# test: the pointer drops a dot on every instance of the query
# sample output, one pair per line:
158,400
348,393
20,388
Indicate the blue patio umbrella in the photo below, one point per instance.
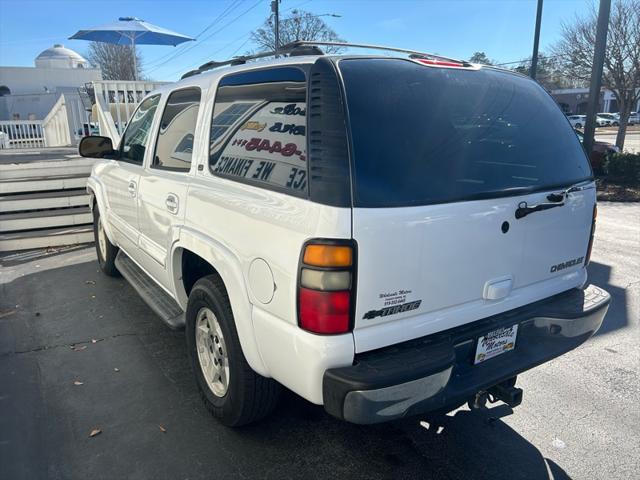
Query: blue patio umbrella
131,31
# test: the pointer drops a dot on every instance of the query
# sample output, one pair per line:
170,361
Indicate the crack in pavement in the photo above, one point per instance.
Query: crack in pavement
71,345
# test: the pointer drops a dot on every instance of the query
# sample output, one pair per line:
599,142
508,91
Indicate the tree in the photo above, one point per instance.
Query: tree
115,61
547,73
481,57
621,73
300,25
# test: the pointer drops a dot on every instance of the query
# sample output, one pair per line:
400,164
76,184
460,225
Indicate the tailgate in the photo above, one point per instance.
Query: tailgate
426,269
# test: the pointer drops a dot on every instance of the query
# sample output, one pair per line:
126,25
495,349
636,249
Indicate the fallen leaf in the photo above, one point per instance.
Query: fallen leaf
78,382
93,296
116,369
79,349
94,432
6,314
90,282
93,340
162,429
37,314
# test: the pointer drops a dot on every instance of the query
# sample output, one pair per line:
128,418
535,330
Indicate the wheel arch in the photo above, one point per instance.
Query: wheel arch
98,198
220,261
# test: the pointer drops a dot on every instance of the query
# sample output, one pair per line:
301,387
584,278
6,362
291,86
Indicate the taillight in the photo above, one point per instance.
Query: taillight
593,231
326,286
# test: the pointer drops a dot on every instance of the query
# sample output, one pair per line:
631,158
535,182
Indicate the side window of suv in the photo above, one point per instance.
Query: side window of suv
134,139
258,129
174,146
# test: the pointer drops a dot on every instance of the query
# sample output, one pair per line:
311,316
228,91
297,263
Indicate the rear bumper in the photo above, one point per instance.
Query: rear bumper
437,372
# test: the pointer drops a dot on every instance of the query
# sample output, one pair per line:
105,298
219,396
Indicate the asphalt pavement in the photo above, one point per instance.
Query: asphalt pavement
80,351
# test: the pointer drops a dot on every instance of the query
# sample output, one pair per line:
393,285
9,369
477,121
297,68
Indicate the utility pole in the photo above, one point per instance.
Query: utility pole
536,42
275,9
596,74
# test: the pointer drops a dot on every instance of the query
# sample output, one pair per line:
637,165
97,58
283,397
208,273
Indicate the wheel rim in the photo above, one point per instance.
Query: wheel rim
102,240
212,352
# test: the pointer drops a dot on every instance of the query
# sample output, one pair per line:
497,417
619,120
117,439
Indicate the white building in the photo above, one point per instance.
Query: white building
29,93
574,101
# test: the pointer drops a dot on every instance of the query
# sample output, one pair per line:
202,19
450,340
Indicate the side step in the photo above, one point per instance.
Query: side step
158,300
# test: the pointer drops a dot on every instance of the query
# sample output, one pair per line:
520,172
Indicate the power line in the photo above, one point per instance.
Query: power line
186,46
211,54
210,35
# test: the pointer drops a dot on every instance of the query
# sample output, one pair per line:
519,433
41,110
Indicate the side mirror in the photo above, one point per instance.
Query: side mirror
95,147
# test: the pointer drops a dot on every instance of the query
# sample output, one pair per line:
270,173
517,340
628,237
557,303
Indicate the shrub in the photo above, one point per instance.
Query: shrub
625,167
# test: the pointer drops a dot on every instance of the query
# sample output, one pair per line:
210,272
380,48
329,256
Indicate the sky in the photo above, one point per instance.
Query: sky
503,29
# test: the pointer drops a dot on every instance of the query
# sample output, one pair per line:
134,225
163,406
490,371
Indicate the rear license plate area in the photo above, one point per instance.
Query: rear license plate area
496,342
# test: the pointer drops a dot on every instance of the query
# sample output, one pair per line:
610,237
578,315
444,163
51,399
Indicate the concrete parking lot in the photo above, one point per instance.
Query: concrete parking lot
80,351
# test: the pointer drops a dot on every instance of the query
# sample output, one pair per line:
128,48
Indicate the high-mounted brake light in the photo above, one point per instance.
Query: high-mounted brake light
326,286
587,257
438,63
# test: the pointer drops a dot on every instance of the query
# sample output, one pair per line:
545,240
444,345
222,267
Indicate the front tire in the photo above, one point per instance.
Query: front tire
230,389
105,250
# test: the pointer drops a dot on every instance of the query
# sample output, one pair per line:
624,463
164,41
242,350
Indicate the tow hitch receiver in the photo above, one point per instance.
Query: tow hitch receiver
506,392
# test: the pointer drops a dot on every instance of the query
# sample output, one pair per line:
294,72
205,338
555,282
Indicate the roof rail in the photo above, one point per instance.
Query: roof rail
412,53
293,49
304,47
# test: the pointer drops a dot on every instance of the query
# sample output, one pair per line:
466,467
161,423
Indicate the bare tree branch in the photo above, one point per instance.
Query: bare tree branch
300,25
115,61
621,73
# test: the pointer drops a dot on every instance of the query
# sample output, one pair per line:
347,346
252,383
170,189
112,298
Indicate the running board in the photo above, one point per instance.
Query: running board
158,300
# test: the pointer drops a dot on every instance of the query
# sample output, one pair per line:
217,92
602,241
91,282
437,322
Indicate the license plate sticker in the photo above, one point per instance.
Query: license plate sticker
496,342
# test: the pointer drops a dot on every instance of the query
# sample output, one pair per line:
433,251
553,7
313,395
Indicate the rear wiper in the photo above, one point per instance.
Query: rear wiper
560,196
523,209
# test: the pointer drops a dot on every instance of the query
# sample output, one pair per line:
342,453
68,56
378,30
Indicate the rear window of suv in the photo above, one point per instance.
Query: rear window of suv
423,135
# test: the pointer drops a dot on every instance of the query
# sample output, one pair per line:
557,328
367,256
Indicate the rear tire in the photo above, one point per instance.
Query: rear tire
105,250
230,389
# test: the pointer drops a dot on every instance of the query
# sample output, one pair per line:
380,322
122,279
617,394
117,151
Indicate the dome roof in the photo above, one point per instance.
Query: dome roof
58,51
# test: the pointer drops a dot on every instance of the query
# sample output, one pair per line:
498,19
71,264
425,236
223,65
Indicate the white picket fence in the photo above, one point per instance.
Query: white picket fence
55,126
22,134
70,119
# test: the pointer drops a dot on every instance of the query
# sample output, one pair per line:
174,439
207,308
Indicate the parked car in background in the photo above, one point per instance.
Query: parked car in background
296,250
599,154
612,118
603,121
634,118
577,121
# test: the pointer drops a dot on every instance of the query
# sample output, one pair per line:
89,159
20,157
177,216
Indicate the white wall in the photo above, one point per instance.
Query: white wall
25,80
37,105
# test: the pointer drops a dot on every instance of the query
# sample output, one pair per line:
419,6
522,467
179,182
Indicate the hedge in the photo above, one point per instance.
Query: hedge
625,167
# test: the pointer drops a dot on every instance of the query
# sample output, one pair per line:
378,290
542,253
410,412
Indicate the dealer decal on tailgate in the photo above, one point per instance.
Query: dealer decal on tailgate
384,312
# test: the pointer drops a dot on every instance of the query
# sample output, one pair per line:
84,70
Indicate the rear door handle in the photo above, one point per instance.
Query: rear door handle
132,188
172,203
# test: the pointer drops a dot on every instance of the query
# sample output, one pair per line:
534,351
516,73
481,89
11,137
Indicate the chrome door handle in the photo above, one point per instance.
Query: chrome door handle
132,188
172,203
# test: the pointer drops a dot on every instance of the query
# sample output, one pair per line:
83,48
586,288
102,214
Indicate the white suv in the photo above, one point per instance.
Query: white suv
383,236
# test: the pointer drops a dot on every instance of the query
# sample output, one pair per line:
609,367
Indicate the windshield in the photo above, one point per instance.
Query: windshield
423,135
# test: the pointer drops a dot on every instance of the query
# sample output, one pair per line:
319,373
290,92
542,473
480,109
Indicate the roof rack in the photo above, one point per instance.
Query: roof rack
304,47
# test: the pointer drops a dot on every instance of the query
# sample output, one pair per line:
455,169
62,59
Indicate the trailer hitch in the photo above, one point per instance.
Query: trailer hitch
507,393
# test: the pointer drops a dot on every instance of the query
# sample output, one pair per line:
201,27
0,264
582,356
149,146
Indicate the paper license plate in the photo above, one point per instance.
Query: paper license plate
496,342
